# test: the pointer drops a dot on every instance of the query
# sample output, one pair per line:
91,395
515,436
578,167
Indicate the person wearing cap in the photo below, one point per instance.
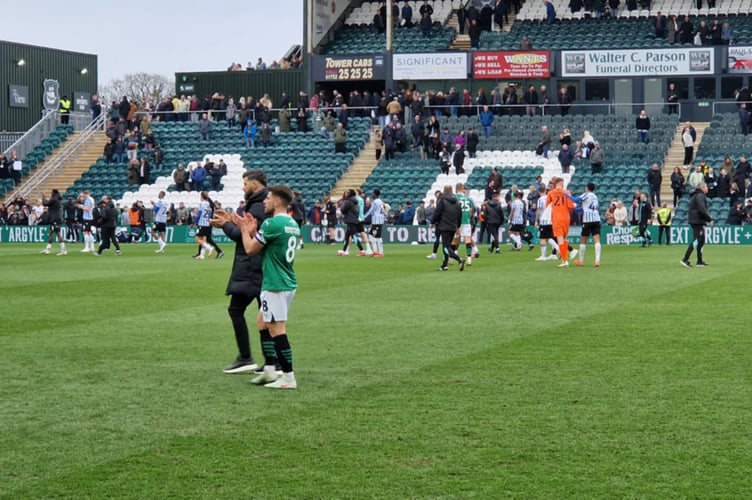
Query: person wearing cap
699,217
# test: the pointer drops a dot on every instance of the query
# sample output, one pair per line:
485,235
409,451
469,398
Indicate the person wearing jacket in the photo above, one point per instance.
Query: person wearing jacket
698,216
494,216
107,222
54,206
350,218
244,285
645,217
447,219
664,223
198,176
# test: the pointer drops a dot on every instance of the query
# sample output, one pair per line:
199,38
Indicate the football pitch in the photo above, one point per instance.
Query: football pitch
513,379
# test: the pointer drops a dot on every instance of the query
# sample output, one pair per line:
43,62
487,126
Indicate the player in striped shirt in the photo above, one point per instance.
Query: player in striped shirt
378,217
159,230
591,223
545,229
203,235
517,220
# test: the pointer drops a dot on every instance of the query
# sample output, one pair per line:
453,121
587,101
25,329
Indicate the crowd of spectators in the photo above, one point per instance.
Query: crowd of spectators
291,62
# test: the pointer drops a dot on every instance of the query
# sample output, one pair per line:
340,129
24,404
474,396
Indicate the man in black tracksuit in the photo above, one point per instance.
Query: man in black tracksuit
245,278
698,216
107,223
447,218
494,216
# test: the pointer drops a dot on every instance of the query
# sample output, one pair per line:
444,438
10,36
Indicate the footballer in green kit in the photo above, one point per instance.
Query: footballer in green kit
276,240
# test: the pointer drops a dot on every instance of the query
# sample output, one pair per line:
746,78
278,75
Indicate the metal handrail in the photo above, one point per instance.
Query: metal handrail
62,158
34,136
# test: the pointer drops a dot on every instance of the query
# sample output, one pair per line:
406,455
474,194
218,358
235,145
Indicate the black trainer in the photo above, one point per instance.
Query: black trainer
241,365
220,255
701,264
685,263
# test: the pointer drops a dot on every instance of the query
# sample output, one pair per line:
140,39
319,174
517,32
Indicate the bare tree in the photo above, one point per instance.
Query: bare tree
138,86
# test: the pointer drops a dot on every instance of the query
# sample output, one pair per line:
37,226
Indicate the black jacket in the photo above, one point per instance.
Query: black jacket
350,211
246,276
646,212
54,208
108,217
698,209
448,214
494,213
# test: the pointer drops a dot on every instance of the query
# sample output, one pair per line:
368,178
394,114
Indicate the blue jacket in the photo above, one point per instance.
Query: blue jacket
486,118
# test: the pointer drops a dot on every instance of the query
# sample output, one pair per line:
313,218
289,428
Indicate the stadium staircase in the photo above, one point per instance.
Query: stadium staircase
359,170
675,157
60,168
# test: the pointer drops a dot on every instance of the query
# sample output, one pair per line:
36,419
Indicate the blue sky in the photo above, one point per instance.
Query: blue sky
162,36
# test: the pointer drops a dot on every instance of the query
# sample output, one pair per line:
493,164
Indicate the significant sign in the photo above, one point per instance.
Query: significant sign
348,68
739,59
435,66
656,62
511,65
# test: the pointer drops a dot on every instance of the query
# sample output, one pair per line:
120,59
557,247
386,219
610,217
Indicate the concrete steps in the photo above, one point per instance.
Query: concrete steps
72,170
675,158
359,170
462,42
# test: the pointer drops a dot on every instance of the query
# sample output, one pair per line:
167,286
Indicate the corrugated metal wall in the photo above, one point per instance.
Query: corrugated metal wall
40,64
242,83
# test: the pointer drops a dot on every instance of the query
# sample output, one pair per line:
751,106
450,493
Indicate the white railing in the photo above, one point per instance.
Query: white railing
68,152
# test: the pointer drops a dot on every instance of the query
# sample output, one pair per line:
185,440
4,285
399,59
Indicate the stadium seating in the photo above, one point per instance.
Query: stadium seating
304,161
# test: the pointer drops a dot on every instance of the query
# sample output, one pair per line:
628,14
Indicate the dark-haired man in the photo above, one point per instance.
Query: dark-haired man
698,216
246,276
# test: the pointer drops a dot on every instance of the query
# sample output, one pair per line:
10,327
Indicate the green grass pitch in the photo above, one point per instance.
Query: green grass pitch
514,379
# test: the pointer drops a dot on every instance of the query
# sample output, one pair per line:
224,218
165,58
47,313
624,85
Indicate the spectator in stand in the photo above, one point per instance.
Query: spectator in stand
144,171
545,142
655,179
531,100
686,29
302,120
266,134
550,12
198,175
460,139
109,153
486,121
744,118
620,214
340,139
677,184
565,101
407,16
408,214
249,133
659,23
673,29
474,33
723,183
565,158
204,127
696,178
119,150
712,182
472,142
597,158
741,173
689,147
673,99
642,124
260,65
727,33
180,177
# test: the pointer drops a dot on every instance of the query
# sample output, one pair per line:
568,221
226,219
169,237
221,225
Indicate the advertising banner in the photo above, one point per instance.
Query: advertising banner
433,66
655,62
739,59
348,68
518,65
610,235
